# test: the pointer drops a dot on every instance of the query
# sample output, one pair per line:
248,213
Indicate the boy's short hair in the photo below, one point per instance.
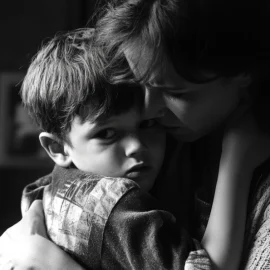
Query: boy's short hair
223,37
66,78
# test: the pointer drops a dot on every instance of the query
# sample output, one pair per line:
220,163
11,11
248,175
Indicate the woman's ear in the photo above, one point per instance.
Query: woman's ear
55,149
244,80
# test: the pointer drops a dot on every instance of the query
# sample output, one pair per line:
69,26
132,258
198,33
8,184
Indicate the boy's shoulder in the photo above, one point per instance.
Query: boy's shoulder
77,188
77,206
82,189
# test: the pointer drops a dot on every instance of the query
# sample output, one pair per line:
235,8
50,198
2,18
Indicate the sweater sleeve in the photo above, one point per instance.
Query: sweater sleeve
139,236
256,251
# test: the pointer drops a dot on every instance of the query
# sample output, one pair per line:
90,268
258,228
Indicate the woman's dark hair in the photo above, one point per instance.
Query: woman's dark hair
220,37
223,37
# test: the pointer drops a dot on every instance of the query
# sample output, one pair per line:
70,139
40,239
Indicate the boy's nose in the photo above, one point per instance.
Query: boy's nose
153,103
134,145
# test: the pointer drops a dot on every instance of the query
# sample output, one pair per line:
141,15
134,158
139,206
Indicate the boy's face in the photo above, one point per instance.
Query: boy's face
122,146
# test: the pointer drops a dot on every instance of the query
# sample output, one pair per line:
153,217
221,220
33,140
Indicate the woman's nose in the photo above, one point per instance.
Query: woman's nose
153,103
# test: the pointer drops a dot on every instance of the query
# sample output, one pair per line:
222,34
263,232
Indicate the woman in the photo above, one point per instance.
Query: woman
198,63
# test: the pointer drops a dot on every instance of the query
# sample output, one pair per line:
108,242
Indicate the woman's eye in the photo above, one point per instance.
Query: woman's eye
148,123
174,94
106,134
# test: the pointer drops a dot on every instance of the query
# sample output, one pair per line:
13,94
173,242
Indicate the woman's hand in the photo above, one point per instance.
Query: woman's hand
244,143
24,246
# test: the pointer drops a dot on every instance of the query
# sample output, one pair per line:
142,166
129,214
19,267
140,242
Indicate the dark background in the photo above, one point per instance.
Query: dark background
24,24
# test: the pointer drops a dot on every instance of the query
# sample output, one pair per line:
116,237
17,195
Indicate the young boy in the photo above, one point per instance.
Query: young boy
96,200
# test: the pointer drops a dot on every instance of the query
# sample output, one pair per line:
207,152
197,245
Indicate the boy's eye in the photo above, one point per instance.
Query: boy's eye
148,123
106,134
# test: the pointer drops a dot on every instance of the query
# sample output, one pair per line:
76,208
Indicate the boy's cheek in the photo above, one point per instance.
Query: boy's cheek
155,140
158,144
160,137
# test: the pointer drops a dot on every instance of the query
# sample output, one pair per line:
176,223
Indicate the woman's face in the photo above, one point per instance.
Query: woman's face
190,110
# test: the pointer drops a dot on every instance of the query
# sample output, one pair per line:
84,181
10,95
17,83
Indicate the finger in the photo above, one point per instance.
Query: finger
34,221
8,265
36,209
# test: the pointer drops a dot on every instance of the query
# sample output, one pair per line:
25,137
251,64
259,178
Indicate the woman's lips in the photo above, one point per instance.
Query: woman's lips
176,130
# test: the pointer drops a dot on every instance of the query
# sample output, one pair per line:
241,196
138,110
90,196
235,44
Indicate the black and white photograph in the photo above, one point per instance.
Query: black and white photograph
135,134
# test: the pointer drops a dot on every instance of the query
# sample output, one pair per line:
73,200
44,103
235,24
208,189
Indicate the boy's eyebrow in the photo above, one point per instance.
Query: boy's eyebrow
97,124
102,121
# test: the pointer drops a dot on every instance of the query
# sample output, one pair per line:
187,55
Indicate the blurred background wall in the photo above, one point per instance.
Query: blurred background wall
24,24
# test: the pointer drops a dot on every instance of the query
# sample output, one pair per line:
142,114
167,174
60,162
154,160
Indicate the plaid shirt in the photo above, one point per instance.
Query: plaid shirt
109,223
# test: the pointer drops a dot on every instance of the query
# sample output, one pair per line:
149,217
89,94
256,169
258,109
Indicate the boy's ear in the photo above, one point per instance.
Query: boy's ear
54,149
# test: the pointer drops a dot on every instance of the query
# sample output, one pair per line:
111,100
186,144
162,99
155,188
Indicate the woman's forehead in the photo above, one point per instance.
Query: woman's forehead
144,58
162,70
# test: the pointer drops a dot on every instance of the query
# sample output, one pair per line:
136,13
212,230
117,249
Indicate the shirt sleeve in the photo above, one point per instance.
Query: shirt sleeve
139,236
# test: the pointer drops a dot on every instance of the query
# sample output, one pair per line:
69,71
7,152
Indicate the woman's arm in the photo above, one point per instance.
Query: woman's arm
24,246
223,238
244,148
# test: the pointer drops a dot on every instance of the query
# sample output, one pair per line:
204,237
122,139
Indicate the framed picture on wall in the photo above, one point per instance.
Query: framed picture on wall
19,143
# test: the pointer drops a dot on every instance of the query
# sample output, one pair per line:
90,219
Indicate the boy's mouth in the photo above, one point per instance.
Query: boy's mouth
138,171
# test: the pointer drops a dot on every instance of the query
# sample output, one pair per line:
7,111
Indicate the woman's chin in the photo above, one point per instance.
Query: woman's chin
187,136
